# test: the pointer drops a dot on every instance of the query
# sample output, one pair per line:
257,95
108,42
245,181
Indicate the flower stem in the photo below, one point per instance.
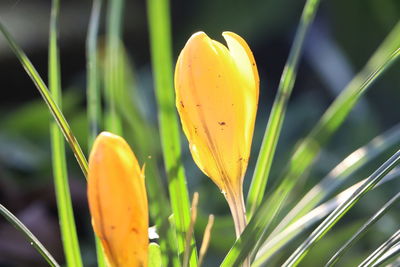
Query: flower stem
238,210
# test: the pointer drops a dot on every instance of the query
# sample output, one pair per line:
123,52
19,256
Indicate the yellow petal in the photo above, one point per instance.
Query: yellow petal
118,202
216,97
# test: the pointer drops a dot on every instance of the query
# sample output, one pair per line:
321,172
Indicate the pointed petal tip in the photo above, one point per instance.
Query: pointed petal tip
200,35
106,134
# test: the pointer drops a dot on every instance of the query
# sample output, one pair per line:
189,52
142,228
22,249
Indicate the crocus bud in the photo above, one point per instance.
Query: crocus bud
118,201
217,91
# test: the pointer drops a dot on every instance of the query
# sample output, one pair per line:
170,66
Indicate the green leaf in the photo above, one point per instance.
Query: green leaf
363,229
301,225
93,78
341,210
93,94
161,54
343,171
388,257
113,79
28,234
63,195
258,228
154,255
54,109
275,121
127,101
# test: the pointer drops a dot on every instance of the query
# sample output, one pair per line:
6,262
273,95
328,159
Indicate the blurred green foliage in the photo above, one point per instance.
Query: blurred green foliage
354,27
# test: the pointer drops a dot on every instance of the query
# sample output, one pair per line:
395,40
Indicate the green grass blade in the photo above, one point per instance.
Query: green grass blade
55,111
301,225
154,255
341,210
258,228
63,195
381,250
127,105
93,93
308,149
93,78
274,127
342,172
391,253
161,52
28,234
363,229
113,79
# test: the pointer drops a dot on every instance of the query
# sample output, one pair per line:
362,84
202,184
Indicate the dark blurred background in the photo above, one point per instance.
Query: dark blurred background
342,39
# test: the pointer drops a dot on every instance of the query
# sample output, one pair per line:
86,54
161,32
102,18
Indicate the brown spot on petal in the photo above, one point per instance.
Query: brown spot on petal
221,123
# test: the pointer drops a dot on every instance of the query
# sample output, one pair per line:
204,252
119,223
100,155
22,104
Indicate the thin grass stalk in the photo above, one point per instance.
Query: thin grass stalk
258,228
340,211
206,239
371,221
161,53
279,241
275,121
342,172
63,195
29,236
381,250
94,94
113,79
145,143
391,253
307,150
54,109
93,79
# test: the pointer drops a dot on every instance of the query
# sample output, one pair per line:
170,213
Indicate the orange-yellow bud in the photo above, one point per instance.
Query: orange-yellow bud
217,91
118,202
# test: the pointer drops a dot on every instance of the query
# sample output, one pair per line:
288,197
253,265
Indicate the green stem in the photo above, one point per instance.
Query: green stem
93,94
113,79
274,127
63,195
93,81
28,234
161,52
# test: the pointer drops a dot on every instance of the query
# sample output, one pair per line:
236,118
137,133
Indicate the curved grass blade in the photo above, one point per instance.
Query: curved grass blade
342,172
258,228
161,54
28,234
363,229
93,93
280,240
63,195
275,121
341,210
381,250
113,79
54,109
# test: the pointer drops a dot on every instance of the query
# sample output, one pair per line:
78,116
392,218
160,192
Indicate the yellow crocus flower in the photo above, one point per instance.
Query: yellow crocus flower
118,202
217,91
